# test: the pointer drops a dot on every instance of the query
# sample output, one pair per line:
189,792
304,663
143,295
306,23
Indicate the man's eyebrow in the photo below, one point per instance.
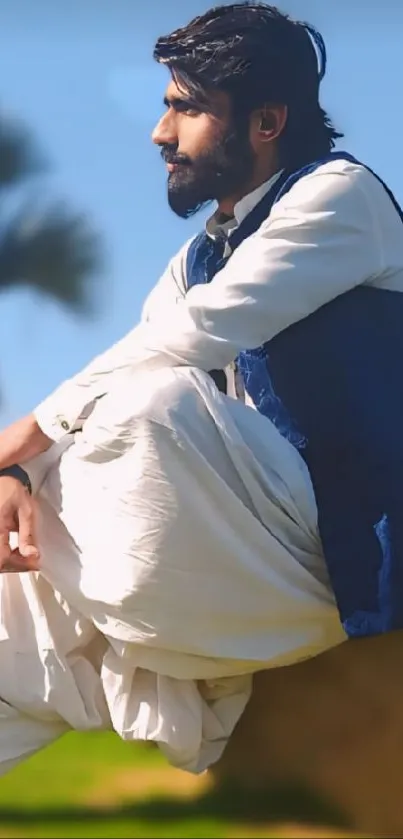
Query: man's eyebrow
180,102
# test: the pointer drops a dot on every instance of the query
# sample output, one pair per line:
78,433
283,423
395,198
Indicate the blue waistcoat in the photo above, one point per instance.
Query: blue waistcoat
333,386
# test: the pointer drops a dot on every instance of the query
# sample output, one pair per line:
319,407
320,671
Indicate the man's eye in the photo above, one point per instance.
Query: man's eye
191,112
189,108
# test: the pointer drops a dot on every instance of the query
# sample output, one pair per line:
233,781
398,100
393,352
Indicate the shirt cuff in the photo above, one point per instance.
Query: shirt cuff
55,422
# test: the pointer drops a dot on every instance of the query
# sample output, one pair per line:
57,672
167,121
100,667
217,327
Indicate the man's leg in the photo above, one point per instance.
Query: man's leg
50,659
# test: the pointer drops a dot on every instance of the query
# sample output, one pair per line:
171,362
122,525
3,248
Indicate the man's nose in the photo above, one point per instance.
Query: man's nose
164,133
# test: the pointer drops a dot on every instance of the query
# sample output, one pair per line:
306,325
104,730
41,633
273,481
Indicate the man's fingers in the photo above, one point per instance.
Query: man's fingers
27,542
18,564
5,550
12,560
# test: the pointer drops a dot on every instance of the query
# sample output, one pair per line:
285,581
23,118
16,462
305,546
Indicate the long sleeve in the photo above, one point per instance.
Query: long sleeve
322,238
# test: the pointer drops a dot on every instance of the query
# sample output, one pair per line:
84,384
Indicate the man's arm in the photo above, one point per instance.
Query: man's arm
22,441
322,239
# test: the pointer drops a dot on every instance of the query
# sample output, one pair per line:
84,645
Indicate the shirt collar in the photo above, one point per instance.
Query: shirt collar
215,227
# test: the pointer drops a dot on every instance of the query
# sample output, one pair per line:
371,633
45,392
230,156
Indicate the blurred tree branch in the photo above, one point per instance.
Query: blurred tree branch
43,245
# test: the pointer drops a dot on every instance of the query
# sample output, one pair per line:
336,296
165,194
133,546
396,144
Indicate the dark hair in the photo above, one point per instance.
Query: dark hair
257,55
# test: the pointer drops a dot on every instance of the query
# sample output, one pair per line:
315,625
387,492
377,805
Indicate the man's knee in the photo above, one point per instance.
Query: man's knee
174,397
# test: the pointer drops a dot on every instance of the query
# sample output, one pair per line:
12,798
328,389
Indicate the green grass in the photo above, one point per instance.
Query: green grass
93,785
48,795
67,770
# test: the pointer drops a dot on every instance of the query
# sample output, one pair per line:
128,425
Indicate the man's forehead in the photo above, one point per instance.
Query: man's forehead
173,91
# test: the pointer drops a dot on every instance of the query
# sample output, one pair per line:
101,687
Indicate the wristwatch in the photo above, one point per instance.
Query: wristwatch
18,472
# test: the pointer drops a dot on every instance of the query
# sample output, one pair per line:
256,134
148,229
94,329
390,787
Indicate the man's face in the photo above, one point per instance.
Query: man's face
208,157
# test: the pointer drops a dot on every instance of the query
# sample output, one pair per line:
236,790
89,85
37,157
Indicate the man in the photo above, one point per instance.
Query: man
177,525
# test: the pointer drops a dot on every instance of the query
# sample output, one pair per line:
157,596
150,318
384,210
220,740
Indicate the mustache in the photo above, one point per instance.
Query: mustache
170,155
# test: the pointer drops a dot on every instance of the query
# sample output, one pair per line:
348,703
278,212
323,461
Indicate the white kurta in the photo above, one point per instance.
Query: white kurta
180,554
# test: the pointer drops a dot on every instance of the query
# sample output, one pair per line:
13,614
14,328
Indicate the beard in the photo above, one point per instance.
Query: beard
218,172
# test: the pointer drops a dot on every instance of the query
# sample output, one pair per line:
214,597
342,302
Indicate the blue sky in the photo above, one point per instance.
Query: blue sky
81,74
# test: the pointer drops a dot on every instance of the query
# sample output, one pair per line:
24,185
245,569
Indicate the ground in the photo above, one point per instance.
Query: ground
93,785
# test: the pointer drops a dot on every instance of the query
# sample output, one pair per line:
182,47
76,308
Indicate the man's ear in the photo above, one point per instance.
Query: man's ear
268,123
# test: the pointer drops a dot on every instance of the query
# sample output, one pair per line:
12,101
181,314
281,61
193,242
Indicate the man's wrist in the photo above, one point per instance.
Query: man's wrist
19,473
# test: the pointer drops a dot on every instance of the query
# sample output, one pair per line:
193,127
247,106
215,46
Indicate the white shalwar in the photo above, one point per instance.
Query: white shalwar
180,554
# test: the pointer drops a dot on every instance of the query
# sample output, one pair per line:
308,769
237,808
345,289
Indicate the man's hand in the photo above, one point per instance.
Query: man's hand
17,514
